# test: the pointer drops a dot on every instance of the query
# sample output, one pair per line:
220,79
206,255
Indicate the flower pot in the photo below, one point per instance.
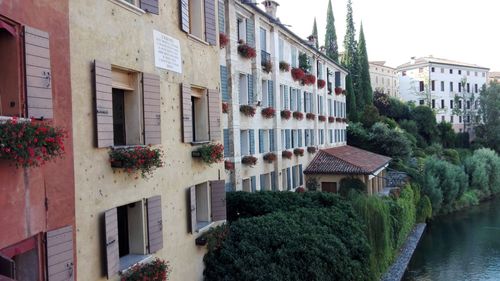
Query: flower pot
196,154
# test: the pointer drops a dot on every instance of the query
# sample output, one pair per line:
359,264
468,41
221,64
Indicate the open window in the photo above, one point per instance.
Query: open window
199,111
197,17
207,204
132,232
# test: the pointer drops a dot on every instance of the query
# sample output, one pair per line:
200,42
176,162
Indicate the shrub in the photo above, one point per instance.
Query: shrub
392,143
212,153
483,171
139,158
287,154
157,270
284,66
249,160
370,116
286,114
306,244
246,50
349,184
298,115
424,209
247,110
268,112
30,144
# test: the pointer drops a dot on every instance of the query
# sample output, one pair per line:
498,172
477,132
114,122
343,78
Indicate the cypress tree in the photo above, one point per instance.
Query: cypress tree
352,113
364,70
315,33
332,48
350,61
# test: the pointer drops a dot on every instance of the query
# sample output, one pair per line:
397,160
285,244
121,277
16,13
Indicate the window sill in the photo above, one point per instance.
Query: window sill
198,143
127,6
129,261
197,39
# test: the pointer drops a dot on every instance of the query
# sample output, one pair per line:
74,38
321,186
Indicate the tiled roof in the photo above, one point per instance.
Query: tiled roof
346,160
425,60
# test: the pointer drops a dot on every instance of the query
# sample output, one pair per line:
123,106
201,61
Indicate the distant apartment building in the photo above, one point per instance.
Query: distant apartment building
145,74
384,78
494,76
436,82
259,83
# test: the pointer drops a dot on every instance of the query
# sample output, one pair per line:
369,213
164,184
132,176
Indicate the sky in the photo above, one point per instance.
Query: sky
396,30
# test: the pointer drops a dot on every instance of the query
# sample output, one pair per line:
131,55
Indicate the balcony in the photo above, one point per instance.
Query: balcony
265,58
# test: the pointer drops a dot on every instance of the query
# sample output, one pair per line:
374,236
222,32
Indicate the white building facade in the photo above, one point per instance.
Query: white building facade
384,78
245,83
436,82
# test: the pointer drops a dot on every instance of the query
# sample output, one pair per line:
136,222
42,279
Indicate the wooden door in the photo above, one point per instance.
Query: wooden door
329,187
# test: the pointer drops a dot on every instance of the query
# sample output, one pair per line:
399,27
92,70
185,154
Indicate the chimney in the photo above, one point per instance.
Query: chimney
312,40
271,7
412,60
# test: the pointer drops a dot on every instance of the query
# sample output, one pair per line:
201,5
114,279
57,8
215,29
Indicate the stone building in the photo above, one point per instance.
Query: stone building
270,151
384,78
145,73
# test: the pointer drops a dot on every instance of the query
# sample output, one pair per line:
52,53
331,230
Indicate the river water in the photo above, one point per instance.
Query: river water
460,246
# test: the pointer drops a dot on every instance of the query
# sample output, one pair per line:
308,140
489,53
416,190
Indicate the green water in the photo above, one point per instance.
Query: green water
461,246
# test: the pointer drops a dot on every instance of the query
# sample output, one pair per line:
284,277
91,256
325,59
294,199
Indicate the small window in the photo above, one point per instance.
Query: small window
433,103
241,29
442,86
459,119
243,88
451,119
203,210
442,103
197,18
432,69
475,73
433,85
451,71
421,86
199,103
460,104
468,104
468,87
451,86
330,187
442,119
459,72
421,102
451,104
475,88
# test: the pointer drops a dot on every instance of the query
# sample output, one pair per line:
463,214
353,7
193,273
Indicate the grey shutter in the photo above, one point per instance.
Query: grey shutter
111,236
152,111
210,24
262,182
250,32
155,224
299,101
294,176
192,208
227,151
253,181
222,17
301,175
273,181
288,135
38,73
271,140
214,111
300,137
60,265
150,6
285,92
251,134
293,104
103,104
218,195
187,114
288,179
337,78
250,89
184,15
270,93
7,268
261,141
223,83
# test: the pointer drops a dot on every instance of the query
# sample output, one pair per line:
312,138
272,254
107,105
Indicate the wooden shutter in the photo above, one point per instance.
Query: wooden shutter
192,208
250,26
152,111
155,224
272,146
253,181
250,89
222,16
150,6
251,134
184,15
103,104
38,73
214,111
111,240
7,268
218,194
273,181
60,265
223,83
210,24
261,141
187,114
270,93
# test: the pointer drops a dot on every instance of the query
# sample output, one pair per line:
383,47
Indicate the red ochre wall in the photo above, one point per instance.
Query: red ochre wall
23,191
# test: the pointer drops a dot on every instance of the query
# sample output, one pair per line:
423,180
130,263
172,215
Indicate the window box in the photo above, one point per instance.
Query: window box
210,153
247,110
30,144
270,157
287,154
246,50
300,189
339,119
309,79
267,66
310,116
298,152
249,160
228,165
345,120
284,66
311,149
338,91
286,114
331,119
298,115
157,270
297,74
322,118
223,40
139,158
268,112
321,83
225,107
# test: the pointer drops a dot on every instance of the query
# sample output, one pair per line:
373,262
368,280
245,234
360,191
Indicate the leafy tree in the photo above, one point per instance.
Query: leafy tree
358,136
364,70
392,143
370,116
315,33
447,135
348,184
483,170
331,46
391,107
426,122
489,131
424,209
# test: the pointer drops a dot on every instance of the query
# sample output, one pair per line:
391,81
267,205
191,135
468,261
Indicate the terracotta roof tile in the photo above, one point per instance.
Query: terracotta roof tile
346,160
